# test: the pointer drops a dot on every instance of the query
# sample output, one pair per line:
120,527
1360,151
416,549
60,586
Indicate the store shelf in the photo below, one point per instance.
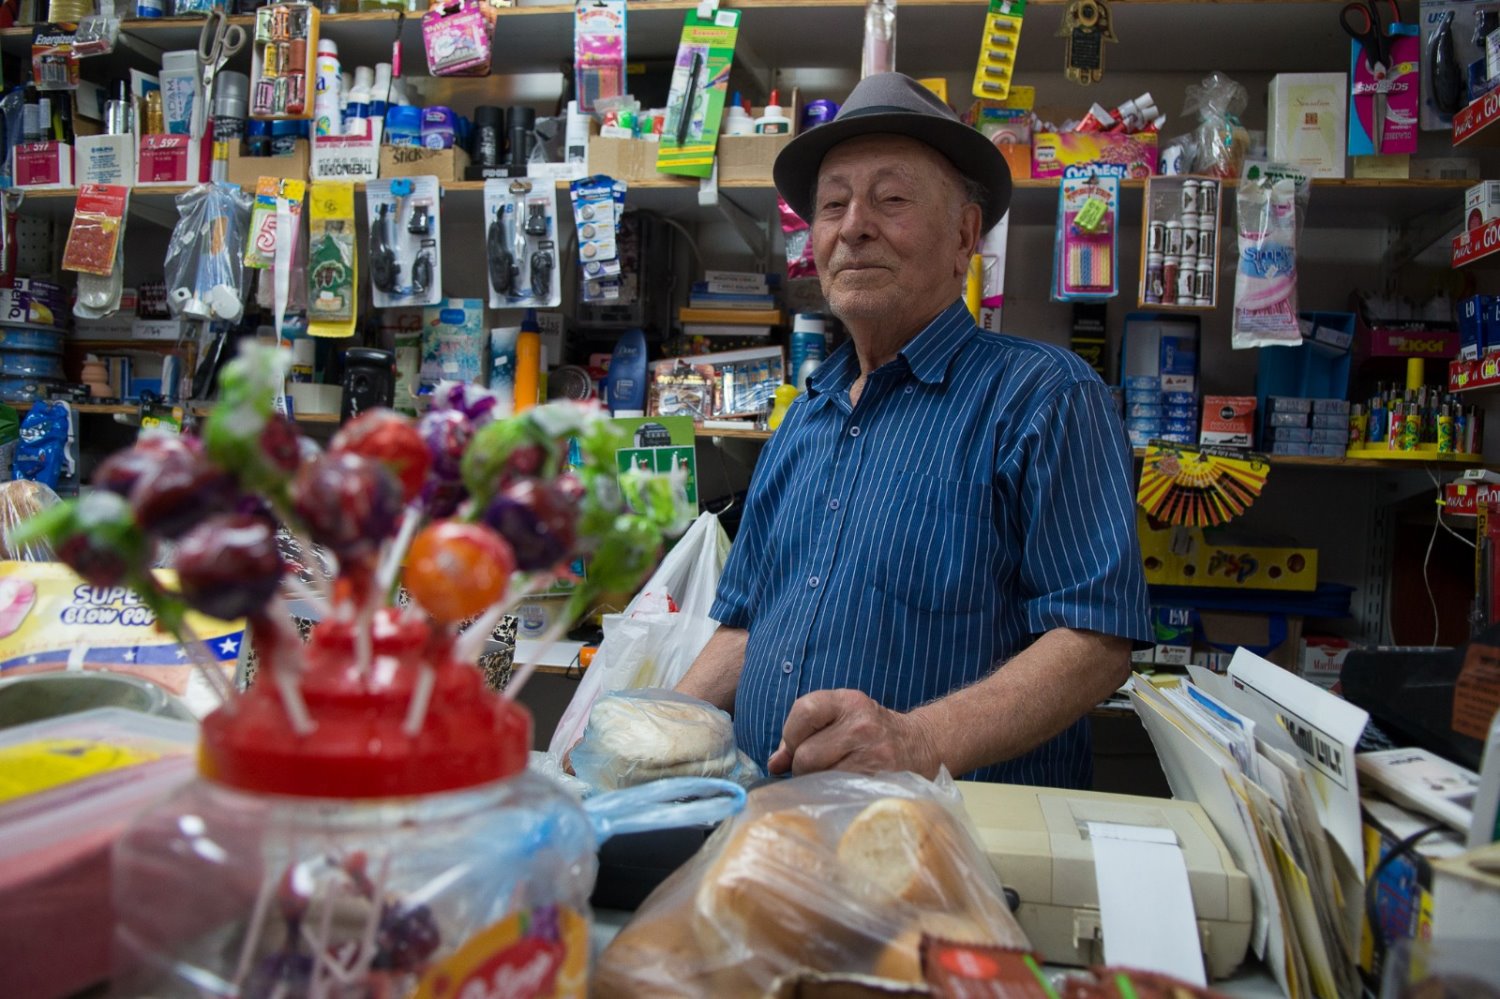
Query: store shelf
132,409
1477,244
1414,463
1479,123
818,34
1474,376
747,433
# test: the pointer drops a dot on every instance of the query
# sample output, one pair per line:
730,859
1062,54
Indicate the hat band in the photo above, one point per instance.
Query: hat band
889,109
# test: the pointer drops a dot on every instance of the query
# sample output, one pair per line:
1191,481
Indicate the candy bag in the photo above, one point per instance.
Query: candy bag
1265,284
1222,140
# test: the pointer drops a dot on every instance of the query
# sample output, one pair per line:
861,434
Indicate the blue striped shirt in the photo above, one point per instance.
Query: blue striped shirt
978,496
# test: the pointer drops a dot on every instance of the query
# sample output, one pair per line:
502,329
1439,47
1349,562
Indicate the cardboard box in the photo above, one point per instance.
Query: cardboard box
171,159
748,158
1305,122
1228,421
1172,631
1191,556
346,157
1322,659
630,160
1481,204
1277,637
1051,152
106,159
42,164
246,170
414,161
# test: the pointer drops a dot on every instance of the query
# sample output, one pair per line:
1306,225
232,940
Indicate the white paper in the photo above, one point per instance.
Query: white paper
1422,780
1325,730
1145,904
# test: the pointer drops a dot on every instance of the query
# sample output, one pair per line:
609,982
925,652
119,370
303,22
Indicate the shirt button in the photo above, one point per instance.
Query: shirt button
812,581
910,389
853,431
833,504
786,667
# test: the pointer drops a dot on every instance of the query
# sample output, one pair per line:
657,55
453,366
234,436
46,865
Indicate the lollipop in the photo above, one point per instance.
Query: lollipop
452,550
389,438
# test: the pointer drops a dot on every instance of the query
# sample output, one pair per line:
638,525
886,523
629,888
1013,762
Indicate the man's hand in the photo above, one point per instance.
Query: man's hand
846,730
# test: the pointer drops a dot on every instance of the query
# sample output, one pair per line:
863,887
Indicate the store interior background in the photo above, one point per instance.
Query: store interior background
1371,527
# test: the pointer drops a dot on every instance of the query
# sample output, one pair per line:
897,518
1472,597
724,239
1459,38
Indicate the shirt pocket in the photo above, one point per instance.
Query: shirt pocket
936,553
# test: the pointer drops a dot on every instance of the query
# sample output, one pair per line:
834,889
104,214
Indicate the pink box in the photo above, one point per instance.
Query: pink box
1051,152
43,163
171,159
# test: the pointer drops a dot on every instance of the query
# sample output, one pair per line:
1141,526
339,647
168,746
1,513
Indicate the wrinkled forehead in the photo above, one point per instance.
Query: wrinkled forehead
873,157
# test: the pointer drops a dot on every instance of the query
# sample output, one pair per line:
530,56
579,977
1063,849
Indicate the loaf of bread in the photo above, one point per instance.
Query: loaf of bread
644,735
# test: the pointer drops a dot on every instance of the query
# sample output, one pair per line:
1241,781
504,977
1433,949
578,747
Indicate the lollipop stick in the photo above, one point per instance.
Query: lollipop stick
421,696
252,935
207,666
366,954
390,563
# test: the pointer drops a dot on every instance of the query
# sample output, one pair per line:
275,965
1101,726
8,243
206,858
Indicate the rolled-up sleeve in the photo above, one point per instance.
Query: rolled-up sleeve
1081,563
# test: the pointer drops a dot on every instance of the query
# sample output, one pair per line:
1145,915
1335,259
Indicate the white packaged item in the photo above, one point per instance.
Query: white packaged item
1265,285
1306,122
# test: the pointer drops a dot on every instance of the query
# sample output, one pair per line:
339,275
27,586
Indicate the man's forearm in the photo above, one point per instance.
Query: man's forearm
715,674
1027,701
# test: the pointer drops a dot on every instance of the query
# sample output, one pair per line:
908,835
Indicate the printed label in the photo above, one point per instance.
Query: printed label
541,954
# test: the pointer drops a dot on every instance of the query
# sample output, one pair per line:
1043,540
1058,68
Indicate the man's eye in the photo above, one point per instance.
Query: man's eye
831,206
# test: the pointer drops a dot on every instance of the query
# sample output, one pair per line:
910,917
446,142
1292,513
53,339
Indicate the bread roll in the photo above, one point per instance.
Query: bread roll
635,739
901,960
908,848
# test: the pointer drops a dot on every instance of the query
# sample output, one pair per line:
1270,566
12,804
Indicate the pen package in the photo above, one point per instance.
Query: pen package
1088,210
695,102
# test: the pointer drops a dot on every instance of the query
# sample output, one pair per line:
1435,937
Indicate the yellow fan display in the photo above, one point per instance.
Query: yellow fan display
1199,487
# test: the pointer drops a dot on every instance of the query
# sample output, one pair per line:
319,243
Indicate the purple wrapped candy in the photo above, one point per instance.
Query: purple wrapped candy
179,491
229,566
476,404
119,472
537,520
447,433
350,504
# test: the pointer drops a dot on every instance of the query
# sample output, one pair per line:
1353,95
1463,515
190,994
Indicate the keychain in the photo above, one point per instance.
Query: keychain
1086,24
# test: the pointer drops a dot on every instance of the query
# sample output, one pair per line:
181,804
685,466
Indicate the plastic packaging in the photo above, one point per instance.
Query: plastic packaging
798,239
1221,140
828,872
879,52
637,736
204,265
41,455
98,225
1088,205
598,202
20,499
56,836
405,246
457,39
1265,286
598,52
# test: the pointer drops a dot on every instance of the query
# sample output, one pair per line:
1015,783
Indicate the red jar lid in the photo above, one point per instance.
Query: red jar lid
359,747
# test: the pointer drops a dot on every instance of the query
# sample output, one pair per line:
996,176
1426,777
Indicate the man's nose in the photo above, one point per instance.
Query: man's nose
857,222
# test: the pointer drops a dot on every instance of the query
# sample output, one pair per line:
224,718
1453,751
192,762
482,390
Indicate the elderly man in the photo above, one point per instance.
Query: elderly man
937,563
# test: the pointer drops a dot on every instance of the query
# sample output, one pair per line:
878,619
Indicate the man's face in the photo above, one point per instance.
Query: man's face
891,236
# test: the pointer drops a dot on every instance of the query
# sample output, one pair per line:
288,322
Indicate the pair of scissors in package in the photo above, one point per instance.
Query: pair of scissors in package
1369,22
218,42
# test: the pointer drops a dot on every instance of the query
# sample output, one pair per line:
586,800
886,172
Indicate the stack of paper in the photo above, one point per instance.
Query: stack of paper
1270,757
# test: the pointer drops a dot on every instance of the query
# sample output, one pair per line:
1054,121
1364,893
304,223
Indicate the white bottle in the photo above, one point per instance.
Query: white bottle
737,121
346,84
773,120
326,117
358,110
380,91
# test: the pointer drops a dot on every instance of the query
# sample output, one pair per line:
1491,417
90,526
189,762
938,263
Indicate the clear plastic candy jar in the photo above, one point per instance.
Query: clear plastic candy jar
358,860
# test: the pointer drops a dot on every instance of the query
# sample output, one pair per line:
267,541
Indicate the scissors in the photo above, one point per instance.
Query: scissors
1362,21
217,43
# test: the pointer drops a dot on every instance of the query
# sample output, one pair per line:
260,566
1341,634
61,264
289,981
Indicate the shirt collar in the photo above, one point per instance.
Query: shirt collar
928,354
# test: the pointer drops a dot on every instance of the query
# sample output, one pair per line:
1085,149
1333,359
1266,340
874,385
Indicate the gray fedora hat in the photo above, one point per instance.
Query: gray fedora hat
892,103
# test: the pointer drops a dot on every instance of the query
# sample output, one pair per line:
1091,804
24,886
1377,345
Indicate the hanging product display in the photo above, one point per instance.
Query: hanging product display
879,53
798,240
1180,226
205,259
597,204
1087,25
598,51
992,275
1199,487
695,103
260,249
1385,58
456,36
405,244
283,67
997,50
1270,210
1088,208
521,244
1221,140
96,248
333,260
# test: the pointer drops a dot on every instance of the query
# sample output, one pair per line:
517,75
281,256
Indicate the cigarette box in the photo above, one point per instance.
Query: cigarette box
1228,420
1481,203
1305,122
1172,630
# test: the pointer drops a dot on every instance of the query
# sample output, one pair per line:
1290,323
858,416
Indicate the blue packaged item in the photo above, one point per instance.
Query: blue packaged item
1172,438
1284,419
1331,421
627,373
46,341
403,126
1298,435
1145,382
1179,399
23,389
1142,411
1180,413
1334,407
1326,450
1179,355
44,442
1149,397
1186,427
1290,404
1327,436
1290,448
1491,325
438,127
24,364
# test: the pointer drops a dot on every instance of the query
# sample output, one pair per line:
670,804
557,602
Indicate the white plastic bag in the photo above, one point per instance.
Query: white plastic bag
659,634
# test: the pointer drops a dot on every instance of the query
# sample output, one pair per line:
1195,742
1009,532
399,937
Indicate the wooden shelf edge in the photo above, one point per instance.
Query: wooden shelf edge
1410,464
748,433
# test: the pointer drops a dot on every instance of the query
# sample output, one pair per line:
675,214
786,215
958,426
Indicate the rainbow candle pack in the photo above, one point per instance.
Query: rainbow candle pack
1088,210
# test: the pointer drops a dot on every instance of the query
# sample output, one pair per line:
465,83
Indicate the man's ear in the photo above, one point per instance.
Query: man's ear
970,217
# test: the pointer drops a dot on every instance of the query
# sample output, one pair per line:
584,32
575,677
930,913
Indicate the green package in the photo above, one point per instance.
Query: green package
696,101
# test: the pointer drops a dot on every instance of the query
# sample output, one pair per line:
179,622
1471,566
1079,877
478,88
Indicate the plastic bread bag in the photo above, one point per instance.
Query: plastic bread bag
831,872
21,499
1265,283
204,266
637,736
1222,140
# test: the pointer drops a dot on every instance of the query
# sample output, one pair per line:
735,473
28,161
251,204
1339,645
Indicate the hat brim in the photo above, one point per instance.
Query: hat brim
974,156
